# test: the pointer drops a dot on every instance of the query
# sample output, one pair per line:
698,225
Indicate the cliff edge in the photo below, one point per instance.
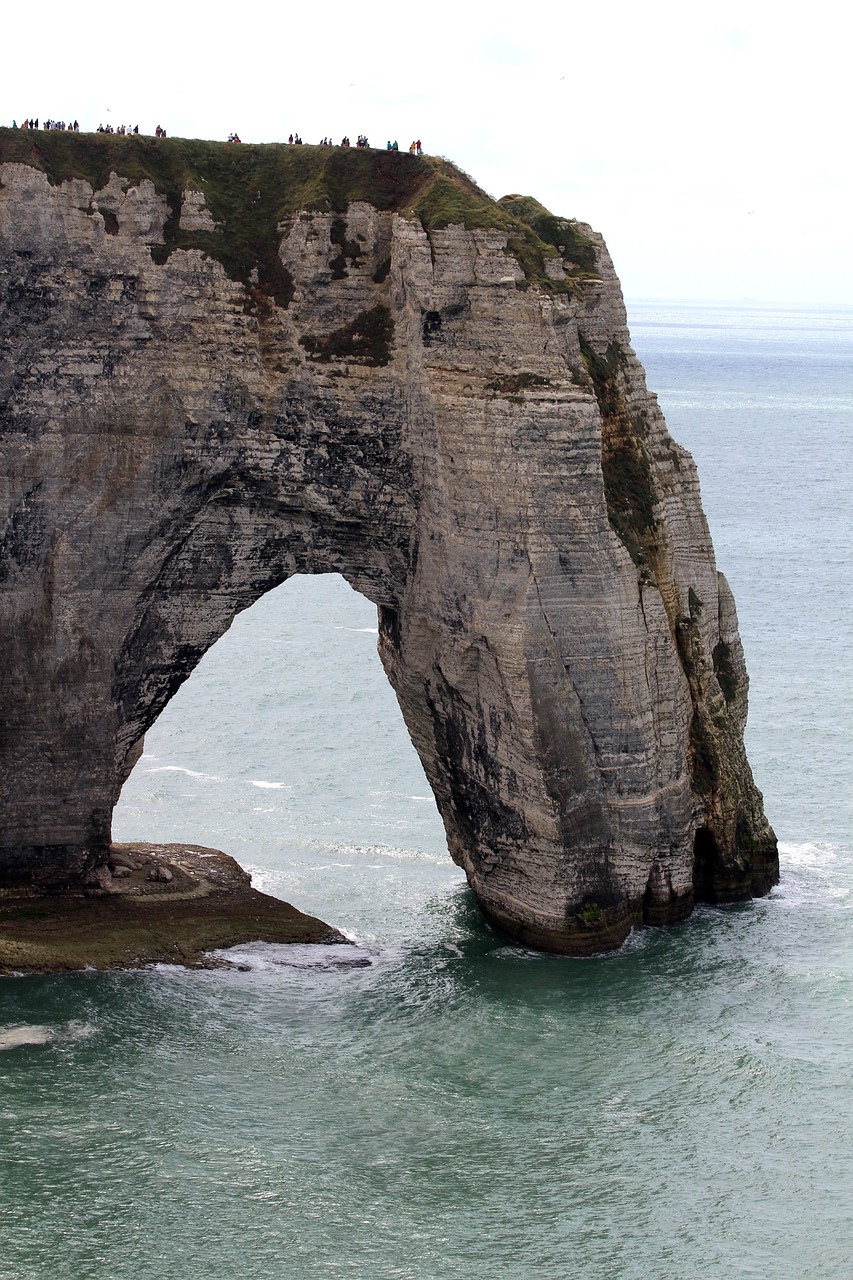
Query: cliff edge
221,365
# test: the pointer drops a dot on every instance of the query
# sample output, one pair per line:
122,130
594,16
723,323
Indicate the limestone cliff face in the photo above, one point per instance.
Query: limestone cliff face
448,414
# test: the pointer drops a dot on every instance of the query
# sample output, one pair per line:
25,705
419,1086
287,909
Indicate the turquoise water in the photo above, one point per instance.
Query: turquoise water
451,1106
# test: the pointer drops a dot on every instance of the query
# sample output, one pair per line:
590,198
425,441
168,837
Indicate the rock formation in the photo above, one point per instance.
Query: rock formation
154,904
223,365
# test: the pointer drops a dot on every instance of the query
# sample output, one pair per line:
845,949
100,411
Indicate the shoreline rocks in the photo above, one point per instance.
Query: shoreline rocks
200,901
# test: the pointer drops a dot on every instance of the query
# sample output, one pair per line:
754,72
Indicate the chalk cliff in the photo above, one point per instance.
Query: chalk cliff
223,365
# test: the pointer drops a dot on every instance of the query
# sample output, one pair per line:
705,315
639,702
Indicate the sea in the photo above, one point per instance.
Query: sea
437,1104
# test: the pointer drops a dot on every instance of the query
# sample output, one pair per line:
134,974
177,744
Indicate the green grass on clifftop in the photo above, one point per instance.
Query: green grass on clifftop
563,234
251,188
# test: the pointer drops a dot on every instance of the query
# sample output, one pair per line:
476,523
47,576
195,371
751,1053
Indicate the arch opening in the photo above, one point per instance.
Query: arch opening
286,748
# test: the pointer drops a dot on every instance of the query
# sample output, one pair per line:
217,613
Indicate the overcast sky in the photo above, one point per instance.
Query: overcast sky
710,145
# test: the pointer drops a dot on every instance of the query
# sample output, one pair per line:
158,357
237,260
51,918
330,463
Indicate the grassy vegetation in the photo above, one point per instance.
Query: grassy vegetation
551,237
250,189
452,199
603,370
367,340
591,914
381,273
628,484
348,250
445,203
630,498
512,384
574,247
724,669
705,768
707,732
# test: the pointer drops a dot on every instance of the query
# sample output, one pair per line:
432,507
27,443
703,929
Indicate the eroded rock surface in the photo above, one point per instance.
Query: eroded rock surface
452,417
151,903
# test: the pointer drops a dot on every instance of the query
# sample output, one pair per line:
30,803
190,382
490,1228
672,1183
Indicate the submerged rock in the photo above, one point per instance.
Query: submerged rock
433,394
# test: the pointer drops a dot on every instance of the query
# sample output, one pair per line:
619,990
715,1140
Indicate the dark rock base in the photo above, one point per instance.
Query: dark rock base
155,904
597,930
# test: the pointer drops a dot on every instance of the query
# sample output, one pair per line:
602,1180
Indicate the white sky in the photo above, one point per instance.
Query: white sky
710,145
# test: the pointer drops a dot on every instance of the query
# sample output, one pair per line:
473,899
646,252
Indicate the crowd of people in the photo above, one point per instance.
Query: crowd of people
126,129
415,148
294,140
49,124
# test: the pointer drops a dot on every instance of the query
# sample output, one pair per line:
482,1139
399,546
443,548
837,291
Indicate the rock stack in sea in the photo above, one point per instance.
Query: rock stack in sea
222,367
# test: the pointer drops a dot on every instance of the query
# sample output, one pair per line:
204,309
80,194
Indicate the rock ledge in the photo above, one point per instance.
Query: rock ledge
136,916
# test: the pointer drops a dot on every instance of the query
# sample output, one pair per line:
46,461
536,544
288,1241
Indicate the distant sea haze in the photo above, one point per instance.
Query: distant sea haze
436,1103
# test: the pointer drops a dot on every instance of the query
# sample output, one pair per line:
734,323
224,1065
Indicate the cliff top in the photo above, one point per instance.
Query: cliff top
251,188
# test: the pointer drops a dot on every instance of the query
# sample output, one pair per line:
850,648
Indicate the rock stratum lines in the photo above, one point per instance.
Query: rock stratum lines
221,366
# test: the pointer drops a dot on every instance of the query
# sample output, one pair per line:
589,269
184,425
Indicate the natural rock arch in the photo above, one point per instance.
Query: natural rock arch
288,726
451,416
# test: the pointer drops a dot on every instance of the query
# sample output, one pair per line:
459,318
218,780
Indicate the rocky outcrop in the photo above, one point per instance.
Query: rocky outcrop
222,366
151,904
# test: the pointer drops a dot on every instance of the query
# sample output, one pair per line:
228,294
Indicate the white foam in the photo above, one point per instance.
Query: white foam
16,1037
269,786
807,854
267,957
813,871
359,852
78,1031
190,773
